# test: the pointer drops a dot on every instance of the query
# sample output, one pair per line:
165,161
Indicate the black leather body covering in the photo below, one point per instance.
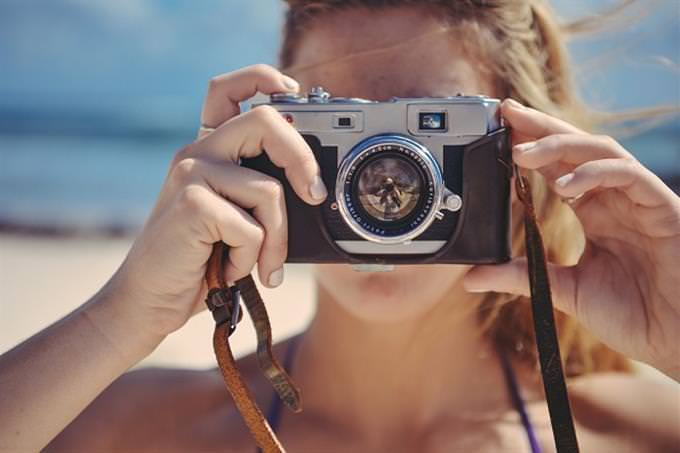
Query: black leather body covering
480,171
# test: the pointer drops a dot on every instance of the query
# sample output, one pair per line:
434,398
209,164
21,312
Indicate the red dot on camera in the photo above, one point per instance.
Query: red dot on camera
289,118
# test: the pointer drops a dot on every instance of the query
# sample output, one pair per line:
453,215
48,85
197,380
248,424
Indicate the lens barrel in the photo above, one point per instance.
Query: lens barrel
389,189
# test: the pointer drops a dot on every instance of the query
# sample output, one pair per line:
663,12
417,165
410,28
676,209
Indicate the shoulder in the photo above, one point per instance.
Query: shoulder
135,407
143,406
633,409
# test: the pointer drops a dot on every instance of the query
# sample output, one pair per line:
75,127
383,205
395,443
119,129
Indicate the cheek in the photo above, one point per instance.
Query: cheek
406,292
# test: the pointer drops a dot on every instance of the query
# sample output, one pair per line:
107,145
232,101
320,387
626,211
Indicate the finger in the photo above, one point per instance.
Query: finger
573,149
513,278
263,194
554,171
263,128
199,303
639,184
216,219
530,122
227,90
203,131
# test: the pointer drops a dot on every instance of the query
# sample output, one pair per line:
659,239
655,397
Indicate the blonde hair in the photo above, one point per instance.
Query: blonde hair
523,46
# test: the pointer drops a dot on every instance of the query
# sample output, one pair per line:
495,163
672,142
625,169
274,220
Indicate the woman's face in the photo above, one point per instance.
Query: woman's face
431,65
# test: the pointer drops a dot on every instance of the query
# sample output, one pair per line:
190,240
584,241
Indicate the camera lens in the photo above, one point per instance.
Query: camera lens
389,187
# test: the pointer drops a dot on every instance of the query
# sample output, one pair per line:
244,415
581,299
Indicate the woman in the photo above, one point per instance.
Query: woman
396,361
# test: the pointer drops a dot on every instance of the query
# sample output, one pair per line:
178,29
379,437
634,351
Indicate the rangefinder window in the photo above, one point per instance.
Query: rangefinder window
432,121
345,121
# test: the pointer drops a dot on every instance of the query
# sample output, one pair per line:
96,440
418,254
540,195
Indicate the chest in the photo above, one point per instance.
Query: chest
228,433
225,431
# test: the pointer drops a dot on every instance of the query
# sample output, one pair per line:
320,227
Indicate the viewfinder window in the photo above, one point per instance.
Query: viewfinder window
432,121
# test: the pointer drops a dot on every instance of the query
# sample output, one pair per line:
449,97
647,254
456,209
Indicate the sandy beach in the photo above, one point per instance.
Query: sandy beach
44,278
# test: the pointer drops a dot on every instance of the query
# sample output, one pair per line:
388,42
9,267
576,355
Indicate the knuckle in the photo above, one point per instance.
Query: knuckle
258,234
266,115
184,169
273,189
555,141
594,167
262,69
631,165
591,167
214,83
607,141
192,200
613,147
181,154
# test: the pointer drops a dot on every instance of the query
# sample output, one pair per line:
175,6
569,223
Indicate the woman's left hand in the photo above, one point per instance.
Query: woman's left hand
625,288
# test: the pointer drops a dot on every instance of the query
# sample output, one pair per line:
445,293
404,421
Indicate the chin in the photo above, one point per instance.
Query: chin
406,292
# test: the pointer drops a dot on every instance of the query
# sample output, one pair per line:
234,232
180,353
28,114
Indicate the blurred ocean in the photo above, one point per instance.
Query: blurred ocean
107,182
69,184
96,96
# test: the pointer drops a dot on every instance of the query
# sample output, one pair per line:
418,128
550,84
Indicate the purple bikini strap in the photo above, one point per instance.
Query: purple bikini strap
517,401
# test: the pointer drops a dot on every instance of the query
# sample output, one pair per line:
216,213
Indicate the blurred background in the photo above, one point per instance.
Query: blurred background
96,96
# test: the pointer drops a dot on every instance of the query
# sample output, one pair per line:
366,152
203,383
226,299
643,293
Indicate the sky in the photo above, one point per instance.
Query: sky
152,59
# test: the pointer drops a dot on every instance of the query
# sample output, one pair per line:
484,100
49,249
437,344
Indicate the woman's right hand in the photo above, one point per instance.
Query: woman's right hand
204,200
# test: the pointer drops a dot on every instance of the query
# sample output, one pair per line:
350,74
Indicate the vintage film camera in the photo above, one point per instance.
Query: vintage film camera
410,180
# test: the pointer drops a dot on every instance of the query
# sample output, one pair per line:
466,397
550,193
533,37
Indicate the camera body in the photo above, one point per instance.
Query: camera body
410,180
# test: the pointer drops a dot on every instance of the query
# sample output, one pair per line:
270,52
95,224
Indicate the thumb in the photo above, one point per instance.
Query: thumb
513,278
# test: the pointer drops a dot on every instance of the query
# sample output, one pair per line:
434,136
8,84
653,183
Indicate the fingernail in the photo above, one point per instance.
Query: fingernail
290,83
276,277
515,104
525,147
564,179
318,190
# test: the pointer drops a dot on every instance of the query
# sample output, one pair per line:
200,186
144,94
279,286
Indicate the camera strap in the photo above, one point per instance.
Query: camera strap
224,303
544,325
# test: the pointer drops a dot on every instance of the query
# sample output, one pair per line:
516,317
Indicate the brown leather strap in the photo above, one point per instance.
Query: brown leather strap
284,386
544,326
245,403
224,302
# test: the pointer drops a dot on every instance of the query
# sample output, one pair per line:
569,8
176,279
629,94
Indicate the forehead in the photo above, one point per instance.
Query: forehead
379,54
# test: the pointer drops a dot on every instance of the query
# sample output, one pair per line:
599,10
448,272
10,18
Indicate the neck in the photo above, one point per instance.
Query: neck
375,379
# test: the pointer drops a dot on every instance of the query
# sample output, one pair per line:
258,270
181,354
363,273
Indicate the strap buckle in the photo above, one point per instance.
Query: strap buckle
225,305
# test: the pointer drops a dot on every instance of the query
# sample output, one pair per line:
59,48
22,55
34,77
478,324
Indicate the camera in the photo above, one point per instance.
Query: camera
410,180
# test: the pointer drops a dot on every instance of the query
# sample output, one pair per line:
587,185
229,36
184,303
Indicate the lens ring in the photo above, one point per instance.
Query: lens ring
387,186
411,224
